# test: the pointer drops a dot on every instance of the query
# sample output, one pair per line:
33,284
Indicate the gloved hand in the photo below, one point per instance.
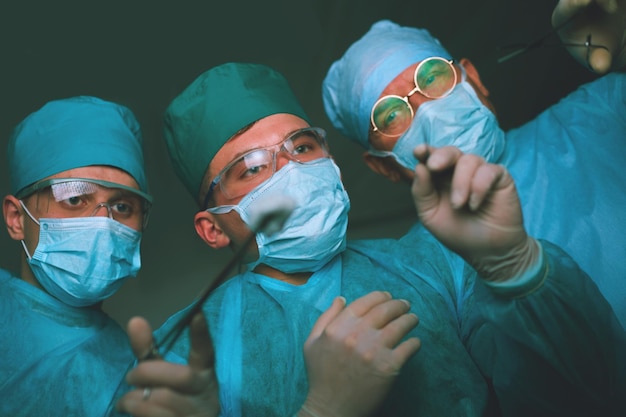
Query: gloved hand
354,353
605,21
173,390
472,207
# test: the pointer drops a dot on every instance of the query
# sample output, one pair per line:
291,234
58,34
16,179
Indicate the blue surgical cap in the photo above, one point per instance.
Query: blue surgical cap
74,133
356,80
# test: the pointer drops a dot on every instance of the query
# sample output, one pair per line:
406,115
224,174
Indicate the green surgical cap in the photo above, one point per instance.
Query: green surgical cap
217,105
73,133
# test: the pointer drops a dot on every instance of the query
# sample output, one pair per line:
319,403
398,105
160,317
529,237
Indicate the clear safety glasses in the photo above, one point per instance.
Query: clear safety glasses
85,197
434,78
247,172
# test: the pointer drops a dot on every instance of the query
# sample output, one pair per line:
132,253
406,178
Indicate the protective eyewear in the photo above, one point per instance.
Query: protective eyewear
83,197
249,171
434,78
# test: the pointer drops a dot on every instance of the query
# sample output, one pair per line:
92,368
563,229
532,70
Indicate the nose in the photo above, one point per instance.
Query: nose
282,158
98,212
416,100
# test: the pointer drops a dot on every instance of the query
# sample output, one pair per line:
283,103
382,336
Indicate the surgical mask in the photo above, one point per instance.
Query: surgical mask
460,120
84,260
315,232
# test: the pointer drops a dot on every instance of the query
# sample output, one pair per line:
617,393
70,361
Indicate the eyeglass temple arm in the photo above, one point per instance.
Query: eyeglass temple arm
270,217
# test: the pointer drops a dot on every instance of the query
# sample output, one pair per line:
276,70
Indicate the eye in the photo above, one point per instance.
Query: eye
123,208
392,115
435,78
126,206
253,171
74,202
304,144
249,167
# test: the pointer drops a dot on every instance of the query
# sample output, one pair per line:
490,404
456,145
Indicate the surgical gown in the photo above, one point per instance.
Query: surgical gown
568,165
559,348
56,360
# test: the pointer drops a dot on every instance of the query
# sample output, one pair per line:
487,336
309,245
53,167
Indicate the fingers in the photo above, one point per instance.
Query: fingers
403,352
165,374
480,183
140,334
565,9
328,316
472,177
600,60
362,305
134,404
375,310
201,353
386,312
400,326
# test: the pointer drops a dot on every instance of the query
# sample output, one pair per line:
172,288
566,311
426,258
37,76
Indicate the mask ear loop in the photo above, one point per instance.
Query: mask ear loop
34,220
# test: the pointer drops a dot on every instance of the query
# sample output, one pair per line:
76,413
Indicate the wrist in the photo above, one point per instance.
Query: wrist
514,263
524,281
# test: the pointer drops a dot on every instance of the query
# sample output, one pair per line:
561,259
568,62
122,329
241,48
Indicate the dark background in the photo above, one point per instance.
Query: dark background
143,53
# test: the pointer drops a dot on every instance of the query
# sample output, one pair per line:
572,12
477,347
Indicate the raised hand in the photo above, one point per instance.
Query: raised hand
602,23
354,354
473,208
165,389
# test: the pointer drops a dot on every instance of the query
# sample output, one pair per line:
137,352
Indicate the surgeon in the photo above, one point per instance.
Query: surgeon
78,205
398,87
518,330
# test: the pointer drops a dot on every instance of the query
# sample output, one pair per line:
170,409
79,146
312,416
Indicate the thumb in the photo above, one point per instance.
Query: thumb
140,335
201,353
329,315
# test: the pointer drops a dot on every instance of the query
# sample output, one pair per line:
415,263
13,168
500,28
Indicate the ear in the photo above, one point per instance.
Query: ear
385,166
209,231
472,75
13,217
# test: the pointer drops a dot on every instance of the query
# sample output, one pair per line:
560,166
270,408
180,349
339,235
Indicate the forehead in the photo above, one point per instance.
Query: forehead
401,82
267,131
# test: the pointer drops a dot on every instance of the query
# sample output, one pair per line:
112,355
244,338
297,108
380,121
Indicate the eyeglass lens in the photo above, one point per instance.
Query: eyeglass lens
82,199
434,78
255,167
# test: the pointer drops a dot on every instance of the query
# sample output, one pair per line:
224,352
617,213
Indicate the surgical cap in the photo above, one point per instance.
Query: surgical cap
73,133
215,107
356,80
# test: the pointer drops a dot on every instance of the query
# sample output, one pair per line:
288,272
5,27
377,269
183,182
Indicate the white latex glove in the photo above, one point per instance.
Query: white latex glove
605,21
175,390
472,207
354,354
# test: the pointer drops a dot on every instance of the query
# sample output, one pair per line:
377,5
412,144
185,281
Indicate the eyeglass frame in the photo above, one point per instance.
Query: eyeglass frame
278,147
43,184
417,89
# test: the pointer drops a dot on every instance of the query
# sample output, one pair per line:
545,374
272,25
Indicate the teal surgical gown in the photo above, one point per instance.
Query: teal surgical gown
557,351
56,360
568,165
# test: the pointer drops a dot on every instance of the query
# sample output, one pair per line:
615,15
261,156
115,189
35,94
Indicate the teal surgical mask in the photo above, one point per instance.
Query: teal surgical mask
460,120
315,232
84,260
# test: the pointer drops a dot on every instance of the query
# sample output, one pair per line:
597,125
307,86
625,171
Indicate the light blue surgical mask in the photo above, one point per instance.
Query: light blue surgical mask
460,120
84,260
315,232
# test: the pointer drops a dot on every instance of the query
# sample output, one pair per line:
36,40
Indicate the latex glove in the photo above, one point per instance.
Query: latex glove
605,20
354,354
472,207
176,390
